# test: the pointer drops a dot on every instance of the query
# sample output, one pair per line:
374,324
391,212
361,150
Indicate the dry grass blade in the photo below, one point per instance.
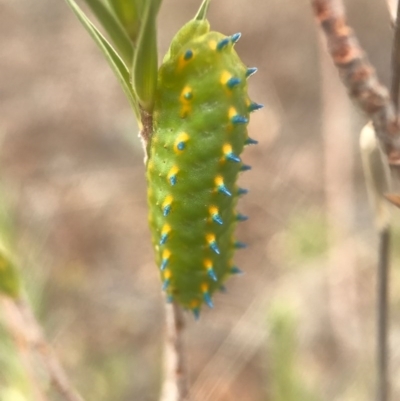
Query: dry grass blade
27,331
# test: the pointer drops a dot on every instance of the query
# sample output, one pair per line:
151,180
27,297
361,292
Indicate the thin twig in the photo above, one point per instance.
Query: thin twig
175,387
359,76
395,84
377,179
27,332
383,385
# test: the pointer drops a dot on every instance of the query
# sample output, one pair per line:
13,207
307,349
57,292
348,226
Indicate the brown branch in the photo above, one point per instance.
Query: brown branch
27,333
395,84
175,386
358,75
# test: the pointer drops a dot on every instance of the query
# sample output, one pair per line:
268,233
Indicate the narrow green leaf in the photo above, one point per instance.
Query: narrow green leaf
202,12
129,14
116,64
157,5
144,68
114,30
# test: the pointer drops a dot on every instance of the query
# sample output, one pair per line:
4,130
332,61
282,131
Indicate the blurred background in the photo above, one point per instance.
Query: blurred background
299,325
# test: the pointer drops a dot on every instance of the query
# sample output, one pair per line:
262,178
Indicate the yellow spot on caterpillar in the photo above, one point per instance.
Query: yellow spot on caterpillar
184,59
194,303
232,112
150,165
225,77
227,149
181,62
167,201
219,180
220,186
213,210
204,288
186,94
180,142
166,229
210,238
166,254
185,100
173,172
212,44
208,264
167,274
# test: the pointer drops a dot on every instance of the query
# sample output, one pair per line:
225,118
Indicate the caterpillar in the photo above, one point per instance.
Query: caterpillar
199,131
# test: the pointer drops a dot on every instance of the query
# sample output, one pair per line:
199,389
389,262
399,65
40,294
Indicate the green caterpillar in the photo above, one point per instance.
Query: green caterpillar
200,129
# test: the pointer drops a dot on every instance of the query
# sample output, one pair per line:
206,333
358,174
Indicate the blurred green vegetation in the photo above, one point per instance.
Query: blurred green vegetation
14,385
286,375
306,236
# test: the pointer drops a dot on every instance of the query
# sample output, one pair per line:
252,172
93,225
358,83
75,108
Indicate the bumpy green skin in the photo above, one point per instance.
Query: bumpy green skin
205,116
